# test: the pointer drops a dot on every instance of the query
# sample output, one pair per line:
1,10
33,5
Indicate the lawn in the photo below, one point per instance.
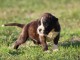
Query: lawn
25,11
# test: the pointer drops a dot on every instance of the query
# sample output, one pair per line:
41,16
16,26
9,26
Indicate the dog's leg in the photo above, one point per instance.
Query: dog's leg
55,46
22,38
43,43
36,42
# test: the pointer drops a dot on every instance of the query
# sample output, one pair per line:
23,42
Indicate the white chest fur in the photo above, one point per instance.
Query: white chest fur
52,35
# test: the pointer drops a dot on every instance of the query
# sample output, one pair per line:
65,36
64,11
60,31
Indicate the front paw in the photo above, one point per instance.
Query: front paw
55,50
47,51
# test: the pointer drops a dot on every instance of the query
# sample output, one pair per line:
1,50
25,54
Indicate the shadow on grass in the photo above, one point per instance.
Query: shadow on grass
16,52
67,44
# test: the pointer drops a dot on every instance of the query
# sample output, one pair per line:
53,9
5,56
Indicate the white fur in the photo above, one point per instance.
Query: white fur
47,51
55,47
2,25
41,27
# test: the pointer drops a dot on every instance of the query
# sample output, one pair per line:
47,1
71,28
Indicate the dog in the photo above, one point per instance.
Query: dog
47,26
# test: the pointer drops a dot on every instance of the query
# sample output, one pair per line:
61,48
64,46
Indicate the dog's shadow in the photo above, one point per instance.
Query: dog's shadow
66,44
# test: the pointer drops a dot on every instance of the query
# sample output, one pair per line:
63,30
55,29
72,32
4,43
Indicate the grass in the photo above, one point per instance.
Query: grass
24,11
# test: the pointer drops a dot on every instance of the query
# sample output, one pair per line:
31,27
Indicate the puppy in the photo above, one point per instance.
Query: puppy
45,28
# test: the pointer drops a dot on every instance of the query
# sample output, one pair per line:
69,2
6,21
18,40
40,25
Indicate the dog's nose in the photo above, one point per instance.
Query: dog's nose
40,30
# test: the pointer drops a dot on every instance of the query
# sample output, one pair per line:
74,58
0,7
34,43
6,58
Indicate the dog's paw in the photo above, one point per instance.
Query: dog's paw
55,50
47,51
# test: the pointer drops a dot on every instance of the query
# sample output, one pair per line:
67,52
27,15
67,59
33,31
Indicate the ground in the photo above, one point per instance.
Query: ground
25,11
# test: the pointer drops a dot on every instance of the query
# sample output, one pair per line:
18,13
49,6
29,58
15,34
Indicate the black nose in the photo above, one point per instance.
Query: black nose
40,30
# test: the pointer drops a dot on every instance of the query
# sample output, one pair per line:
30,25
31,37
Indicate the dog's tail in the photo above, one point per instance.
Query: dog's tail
14,24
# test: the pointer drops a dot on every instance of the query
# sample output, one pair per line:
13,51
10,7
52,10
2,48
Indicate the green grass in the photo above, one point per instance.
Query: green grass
24,11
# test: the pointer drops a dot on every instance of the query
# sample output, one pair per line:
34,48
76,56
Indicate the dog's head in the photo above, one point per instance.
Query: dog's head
46,23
